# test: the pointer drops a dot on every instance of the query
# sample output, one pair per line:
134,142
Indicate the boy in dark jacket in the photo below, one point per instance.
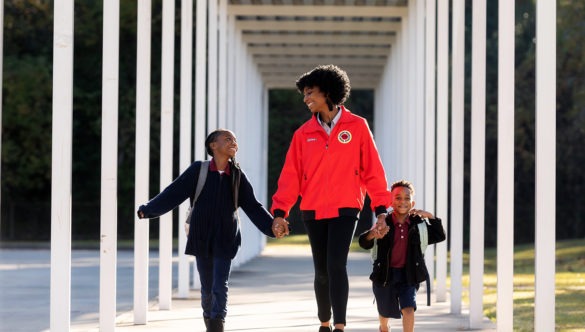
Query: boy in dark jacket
399,265
214,234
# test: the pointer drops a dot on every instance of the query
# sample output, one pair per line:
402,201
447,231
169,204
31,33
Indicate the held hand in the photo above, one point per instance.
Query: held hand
379,229
280,227
381,226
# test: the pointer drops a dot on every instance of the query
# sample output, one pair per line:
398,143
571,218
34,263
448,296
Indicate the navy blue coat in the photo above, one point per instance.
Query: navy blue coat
215,227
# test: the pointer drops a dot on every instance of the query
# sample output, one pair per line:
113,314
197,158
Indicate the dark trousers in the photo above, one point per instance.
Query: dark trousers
330,240
214,273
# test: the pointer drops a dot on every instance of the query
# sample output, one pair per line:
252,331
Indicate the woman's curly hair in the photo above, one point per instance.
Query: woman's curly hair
330,79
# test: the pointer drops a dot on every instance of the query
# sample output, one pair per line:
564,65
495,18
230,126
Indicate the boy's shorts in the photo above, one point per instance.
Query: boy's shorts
391,299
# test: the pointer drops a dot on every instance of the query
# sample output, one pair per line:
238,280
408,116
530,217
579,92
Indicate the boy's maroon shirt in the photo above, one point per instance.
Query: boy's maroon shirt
398,258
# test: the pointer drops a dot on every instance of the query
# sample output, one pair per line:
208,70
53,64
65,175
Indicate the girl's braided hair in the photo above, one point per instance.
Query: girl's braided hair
234,165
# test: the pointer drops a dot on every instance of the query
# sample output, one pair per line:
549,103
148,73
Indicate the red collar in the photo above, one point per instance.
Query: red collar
406,221
213,167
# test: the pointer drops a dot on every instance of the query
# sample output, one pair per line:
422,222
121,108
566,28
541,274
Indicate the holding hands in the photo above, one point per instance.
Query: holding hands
280,227
380,228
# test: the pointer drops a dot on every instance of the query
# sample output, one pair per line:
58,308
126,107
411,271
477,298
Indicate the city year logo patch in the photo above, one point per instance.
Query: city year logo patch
344,137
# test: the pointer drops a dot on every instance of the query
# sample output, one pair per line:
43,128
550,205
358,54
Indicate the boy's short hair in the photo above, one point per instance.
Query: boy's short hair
330,79
405,184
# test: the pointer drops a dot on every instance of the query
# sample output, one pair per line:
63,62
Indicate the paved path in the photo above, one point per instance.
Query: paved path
273,292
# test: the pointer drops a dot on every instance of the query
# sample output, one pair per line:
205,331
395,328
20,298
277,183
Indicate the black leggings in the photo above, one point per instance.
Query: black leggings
330,240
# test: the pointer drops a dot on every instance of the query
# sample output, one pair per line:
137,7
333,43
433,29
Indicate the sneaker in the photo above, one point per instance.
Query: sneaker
324,329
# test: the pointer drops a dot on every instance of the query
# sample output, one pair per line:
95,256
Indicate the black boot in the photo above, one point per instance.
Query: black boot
206,320
215,325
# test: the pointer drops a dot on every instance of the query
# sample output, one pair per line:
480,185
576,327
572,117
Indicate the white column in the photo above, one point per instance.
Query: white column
141,231
222,65
419,118
200,79
200,126
212,47
109,176
442,140
457,138
165,271
505,250
429,145
185,135
60,313
410,106
231,59
544,308
403,116
477,186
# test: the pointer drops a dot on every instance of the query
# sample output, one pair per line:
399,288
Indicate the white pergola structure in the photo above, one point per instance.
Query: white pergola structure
400,49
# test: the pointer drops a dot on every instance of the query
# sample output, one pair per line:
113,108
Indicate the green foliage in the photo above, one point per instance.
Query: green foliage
26,128
27,120
569,285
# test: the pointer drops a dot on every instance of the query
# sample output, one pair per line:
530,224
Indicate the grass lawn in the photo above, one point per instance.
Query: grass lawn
570,283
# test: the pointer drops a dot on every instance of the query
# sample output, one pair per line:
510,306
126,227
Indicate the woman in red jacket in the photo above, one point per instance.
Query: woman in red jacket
331,163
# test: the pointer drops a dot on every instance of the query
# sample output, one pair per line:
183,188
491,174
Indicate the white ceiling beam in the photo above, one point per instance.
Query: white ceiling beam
322,39
316,60
276,25
313,50
320,11
289,83
267,69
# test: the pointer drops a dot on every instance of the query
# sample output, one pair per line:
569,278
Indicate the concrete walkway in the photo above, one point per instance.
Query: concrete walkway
273,292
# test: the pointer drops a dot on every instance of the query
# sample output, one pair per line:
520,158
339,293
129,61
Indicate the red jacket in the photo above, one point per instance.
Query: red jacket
332,173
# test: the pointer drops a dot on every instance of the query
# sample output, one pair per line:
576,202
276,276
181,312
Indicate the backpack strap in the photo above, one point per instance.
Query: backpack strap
424,242
201,180
424,236
200,183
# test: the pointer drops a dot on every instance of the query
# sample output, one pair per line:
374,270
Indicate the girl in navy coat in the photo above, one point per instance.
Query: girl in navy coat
214,235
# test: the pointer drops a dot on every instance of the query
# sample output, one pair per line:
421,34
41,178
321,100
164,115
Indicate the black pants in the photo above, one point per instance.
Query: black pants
330,240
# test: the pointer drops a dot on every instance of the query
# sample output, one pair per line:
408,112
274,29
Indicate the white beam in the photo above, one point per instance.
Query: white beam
200,126
320,39
419,86
234,40
321,11
430,123
165,271
200,80
477,185
545,204
297,69
222,65
317,60
442,141
311,50
185,135
60,313
212,66
457,140
141,177
279,25
109,166
505,250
